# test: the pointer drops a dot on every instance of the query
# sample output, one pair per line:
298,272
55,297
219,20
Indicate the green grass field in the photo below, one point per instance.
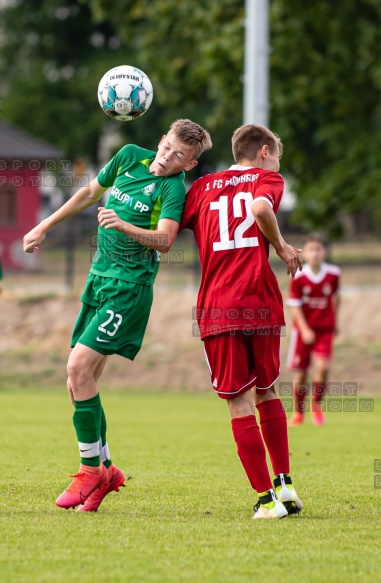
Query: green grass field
185,513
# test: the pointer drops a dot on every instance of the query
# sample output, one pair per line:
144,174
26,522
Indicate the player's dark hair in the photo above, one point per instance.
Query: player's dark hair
316,238
249,139
192,134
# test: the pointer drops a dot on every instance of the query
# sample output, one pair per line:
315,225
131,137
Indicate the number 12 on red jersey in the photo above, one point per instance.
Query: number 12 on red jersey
239,241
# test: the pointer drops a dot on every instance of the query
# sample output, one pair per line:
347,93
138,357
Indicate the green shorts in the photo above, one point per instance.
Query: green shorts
114,316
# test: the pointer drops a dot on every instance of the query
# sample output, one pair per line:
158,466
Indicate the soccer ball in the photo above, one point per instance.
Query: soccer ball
125,93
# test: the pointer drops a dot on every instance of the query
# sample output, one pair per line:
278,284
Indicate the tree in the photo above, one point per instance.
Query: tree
193,54
51,60
325,79
326,104
325,84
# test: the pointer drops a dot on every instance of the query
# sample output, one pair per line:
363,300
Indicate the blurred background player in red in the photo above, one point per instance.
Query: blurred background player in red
314,301
240,308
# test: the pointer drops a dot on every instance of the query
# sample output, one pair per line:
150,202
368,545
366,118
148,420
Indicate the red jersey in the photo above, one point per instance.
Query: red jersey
314,293
238,289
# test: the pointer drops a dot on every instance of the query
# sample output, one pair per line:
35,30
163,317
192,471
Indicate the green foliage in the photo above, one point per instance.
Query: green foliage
193,54
325,84
185,513
325,73
60,57
326,105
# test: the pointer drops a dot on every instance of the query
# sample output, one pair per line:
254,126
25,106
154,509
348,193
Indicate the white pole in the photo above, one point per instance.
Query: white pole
255,101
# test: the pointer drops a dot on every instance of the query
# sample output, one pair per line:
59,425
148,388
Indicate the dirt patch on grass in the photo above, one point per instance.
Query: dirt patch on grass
36,331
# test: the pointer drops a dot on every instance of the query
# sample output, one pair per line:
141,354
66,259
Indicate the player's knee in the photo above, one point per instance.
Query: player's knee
322,366
75,371
241,406
300,376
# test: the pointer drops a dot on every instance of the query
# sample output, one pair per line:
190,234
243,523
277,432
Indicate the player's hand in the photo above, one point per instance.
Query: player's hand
108,219
308,336
291,256
33,239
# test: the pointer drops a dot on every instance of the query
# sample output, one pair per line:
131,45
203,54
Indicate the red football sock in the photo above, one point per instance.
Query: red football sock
300,393
318,391
251,452
274,432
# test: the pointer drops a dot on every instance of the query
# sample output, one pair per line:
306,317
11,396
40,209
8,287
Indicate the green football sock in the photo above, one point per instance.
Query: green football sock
87,423
105,453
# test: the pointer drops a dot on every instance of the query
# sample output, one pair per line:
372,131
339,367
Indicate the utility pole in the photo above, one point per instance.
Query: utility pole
255,102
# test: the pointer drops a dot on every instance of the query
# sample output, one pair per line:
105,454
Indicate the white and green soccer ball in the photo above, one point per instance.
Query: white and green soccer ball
125,93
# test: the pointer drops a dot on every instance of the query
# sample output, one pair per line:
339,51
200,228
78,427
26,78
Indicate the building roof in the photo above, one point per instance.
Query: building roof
15,143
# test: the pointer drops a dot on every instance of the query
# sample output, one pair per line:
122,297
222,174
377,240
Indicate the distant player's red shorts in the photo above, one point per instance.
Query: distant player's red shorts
299,354
237,361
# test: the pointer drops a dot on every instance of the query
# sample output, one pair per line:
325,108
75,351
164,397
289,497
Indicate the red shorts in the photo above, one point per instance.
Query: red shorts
299,354
237,361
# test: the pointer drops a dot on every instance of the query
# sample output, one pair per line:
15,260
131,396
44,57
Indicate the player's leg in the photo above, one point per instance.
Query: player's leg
97,375
116,477
298,360
272,417
82,366
232,378
103,446
300,394
250,448
125,331
319,387
273,422
323,353
252,453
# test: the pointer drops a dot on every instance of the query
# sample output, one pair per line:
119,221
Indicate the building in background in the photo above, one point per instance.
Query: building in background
26,163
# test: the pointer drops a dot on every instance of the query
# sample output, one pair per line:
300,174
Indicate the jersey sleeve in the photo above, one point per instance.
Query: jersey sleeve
270,188
190,210
107,175
295,293
173,199
336,289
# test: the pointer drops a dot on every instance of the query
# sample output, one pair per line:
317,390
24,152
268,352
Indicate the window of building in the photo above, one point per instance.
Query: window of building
7,205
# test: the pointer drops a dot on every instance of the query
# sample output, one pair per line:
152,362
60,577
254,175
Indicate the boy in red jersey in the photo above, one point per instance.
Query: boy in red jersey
314,302
239,306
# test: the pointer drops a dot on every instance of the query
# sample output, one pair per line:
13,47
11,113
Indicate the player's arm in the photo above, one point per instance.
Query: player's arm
82,199
161,239
266,221
335,307
307,334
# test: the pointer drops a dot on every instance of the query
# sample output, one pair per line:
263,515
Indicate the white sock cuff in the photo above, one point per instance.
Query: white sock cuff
105,453
88,450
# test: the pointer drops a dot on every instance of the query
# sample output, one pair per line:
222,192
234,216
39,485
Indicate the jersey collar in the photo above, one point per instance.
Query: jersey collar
239,167
316,277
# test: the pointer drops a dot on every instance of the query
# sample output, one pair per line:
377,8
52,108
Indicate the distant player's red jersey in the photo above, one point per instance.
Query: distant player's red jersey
238,288
314,293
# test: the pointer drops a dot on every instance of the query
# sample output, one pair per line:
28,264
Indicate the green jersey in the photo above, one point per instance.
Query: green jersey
142,199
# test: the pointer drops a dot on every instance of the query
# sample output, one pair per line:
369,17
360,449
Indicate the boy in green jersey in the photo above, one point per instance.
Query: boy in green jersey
140,218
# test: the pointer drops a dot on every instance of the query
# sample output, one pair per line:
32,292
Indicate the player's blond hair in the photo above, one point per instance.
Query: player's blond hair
192,134
249,139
